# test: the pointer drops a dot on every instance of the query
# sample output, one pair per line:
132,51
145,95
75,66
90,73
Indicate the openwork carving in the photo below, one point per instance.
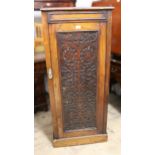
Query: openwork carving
78,65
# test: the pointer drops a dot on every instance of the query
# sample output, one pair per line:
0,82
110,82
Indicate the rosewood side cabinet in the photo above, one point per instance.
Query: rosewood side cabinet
78,44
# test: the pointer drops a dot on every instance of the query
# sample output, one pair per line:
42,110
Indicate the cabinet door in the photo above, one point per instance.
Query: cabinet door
78,52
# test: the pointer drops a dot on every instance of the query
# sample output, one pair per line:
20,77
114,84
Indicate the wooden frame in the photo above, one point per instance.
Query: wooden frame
65,20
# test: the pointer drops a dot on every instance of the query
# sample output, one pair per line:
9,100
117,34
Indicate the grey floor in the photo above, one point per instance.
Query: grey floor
42,134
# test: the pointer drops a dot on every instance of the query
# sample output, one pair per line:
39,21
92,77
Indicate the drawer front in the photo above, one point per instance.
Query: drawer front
78,52
74,17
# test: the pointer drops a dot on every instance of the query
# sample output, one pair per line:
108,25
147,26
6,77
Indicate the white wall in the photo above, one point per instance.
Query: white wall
84,3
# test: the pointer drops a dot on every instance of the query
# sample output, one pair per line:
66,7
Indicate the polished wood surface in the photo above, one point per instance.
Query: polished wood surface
116,23
38,4
40,101
80,140
78,44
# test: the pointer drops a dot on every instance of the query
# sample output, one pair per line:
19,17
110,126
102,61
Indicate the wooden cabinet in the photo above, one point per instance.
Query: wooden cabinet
40,101
38,4
78,44
115,70
116,23
116,38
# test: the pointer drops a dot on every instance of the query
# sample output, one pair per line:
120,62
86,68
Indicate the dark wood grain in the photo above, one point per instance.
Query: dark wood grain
40,102
79,55
78,61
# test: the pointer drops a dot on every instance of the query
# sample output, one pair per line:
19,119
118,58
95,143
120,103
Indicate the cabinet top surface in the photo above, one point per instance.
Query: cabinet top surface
78,9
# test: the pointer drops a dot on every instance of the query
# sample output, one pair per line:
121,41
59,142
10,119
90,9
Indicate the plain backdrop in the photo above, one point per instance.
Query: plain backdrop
84,3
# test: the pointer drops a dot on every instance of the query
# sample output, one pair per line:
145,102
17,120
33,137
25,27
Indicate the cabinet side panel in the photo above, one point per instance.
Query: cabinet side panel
107,77
48,66
78,66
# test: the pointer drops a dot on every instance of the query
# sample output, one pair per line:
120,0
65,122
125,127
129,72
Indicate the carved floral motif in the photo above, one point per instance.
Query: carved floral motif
78,67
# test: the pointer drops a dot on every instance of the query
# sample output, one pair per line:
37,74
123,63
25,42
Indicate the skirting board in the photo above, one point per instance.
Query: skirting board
79,140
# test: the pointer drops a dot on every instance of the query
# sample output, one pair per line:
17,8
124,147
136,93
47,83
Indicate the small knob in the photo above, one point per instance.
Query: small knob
50,74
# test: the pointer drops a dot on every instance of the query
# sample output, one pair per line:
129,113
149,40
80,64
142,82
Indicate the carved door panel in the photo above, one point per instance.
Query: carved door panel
78,62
